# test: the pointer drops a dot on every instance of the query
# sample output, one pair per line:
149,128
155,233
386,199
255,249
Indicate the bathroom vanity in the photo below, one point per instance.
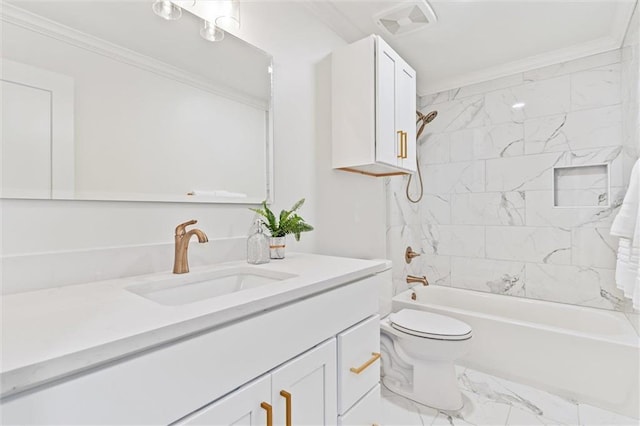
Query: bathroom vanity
296,342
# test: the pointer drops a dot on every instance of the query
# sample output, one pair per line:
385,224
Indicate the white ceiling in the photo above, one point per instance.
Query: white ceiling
479,40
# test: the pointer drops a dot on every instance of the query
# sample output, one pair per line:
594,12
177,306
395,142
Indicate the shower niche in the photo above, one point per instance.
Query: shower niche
581,186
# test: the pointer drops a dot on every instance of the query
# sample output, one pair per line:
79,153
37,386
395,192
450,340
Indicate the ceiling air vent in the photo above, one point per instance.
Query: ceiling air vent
406,18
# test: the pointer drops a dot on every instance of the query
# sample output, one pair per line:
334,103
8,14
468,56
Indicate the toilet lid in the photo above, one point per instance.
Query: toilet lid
430,325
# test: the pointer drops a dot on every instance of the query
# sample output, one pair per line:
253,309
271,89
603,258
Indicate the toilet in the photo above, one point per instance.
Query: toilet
418,353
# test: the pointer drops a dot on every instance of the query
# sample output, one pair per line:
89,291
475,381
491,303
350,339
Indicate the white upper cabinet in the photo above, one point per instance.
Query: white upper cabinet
374,109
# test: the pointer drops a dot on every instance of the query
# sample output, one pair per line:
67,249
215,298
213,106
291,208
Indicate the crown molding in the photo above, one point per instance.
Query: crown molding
330,15
578,51
30,21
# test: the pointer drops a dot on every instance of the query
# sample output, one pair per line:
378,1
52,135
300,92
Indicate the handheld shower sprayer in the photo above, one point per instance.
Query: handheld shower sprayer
425,119
422,121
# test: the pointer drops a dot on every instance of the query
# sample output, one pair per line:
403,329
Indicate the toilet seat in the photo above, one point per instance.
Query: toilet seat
429,325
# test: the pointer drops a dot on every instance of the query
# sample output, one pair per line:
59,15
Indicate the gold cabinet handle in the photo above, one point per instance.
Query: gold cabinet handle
401,146
287,398
405,145
375,356
269,409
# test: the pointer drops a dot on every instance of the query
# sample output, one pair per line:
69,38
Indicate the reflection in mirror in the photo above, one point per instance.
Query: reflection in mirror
104,100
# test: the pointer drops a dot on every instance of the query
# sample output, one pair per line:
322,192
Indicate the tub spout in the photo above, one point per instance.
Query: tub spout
413,279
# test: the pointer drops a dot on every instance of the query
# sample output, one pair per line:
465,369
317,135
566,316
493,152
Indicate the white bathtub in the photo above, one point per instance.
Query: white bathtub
586,354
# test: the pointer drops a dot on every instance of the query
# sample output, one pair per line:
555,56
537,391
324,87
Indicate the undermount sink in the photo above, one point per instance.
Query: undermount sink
201,285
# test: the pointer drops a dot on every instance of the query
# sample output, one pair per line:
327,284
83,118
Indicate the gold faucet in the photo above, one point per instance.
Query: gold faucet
182,237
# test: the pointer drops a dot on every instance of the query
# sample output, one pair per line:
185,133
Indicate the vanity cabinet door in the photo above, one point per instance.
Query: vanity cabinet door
366,412
358,361
304,389
241,408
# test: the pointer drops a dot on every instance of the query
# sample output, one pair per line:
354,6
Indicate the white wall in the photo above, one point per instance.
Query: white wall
347,210
298,43
351,207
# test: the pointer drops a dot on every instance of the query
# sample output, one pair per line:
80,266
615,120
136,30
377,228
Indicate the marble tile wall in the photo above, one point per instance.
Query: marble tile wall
487,220
630,82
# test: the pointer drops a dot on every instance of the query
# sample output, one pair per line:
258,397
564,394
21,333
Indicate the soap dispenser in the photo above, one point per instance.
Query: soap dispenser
258,246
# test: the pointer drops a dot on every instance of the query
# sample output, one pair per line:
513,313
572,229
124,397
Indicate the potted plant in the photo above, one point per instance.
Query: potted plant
289,222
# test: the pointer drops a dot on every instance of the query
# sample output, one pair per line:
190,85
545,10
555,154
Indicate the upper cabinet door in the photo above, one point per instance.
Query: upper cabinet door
304,389
395,109
406,113
388,140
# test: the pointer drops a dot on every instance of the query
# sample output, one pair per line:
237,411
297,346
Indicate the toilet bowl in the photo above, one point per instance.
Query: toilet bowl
418,354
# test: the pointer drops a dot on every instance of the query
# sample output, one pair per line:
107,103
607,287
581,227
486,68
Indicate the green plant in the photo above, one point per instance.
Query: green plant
287,223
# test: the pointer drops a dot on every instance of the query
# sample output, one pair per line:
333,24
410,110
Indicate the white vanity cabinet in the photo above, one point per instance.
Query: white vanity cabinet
302,391
366,412
373,109
244,407
359,373
222,375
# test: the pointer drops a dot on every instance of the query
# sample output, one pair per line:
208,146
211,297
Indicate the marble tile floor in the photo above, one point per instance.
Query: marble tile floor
494,401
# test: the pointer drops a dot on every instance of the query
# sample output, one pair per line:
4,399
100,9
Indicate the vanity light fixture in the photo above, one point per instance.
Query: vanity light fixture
167,10
227,14
211,32
518,105
217,16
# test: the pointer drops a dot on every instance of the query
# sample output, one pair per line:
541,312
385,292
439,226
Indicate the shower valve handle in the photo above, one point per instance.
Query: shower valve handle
409,254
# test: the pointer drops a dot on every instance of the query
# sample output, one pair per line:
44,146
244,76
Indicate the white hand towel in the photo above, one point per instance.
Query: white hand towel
626,225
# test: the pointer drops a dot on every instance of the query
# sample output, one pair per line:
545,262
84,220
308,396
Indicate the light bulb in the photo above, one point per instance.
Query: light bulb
210,32
167,10
227,14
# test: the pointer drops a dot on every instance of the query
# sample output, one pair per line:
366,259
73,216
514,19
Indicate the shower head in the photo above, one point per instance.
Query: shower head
424,119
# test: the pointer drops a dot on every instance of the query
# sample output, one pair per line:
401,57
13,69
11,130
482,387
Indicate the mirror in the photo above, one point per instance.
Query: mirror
104,100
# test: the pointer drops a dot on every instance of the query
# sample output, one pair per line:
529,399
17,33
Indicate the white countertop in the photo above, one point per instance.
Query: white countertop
49,334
